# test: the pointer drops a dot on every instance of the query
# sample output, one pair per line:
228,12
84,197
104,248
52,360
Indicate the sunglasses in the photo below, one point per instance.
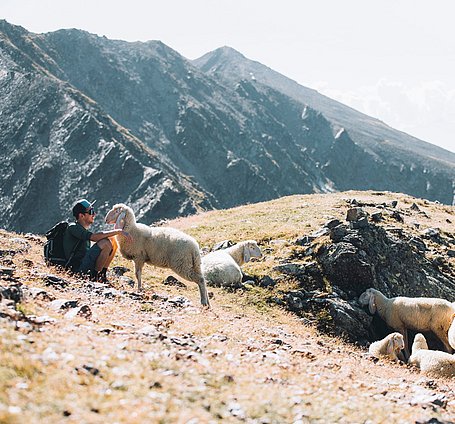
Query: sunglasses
90,212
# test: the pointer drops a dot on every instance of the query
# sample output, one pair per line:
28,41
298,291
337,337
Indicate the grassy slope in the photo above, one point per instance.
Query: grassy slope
242,361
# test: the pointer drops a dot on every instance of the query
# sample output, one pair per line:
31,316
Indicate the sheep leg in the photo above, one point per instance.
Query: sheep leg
138,272
203,292
400,356
444,339
404,333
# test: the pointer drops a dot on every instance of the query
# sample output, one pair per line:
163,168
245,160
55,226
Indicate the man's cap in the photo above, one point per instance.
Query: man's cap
82,206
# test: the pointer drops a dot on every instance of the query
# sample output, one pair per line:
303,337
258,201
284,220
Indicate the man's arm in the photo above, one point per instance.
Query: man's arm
106,234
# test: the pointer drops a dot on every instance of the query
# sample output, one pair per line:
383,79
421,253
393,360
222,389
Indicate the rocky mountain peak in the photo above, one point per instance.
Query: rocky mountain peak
181,136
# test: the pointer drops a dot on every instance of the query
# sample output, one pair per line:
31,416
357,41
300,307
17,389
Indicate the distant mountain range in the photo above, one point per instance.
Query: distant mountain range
85,116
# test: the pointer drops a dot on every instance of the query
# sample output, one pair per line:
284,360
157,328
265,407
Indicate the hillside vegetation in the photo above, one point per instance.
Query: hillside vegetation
73,351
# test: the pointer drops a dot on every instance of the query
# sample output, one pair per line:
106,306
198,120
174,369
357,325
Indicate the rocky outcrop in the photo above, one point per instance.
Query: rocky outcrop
348,257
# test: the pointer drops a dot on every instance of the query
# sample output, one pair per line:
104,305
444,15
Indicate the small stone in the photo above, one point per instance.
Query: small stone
321,232
267,281
354,214
83,311
12,292
228,378
223,245
63,304
112,293
149,330
91,369
120,270
54,281
6,271
337,233
360,223
136,295
431,232
172,281
44,319
127,280
179,301
396,216
303,241
332,223
376,217
418,243
38,293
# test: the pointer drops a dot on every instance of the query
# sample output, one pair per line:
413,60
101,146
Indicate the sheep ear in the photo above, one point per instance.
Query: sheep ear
372,304
246,253
390,345
120,221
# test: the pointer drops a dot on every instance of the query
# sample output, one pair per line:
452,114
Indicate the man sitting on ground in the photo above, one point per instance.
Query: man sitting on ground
94,260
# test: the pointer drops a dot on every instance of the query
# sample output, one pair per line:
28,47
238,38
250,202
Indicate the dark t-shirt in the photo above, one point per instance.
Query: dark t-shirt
73,234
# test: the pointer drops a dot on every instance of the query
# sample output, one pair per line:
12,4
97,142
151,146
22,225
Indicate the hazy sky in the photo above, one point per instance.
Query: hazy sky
392,59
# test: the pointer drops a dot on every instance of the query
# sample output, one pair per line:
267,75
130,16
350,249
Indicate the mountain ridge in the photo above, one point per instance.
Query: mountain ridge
222,144
234,70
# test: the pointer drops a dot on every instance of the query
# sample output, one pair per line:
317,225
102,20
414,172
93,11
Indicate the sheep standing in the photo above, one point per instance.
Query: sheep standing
431,362
390,346
160,246
413,313
222,268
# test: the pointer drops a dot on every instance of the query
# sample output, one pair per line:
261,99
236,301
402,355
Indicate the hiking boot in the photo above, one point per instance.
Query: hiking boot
102,276
93,276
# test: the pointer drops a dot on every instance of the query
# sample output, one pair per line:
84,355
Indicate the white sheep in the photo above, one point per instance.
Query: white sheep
451,334
431,362
413,313
222,267
164,247
390,346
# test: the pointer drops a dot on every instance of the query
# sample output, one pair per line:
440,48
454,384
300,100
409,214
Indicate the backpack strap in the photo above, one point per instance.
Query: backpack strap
73,251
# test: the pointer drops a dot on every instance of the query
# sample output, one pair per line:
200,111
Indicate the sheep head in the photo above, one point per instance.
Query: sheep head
419,343
117,215
396,343
368,297
251,250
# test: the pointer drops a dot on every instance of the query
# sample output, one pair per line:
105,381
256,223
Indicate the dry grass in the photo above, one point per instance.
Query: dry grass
242,361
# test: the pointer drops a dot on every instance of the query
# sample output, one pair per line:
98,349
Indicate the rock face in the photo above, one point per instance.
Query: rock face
58,146
84,116
367,153
358,257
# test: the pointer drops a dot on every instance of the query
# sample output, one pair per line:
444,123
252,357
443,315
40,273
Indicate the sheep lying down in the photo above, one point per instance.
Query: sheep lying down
222,267
389,347
431,362
164,247
414,313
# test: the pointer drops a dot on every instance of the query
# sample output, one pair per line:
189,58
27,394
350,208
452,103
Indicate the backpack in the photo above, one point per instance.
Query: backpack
54,253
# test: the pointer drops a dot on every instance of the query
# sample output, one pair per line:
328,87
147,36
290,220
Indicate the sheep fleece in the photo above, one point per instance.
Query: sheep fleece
164,247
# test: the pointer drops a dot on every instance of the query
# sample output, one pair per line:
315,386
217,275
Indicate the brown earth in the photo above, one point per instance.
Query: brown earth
160,357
